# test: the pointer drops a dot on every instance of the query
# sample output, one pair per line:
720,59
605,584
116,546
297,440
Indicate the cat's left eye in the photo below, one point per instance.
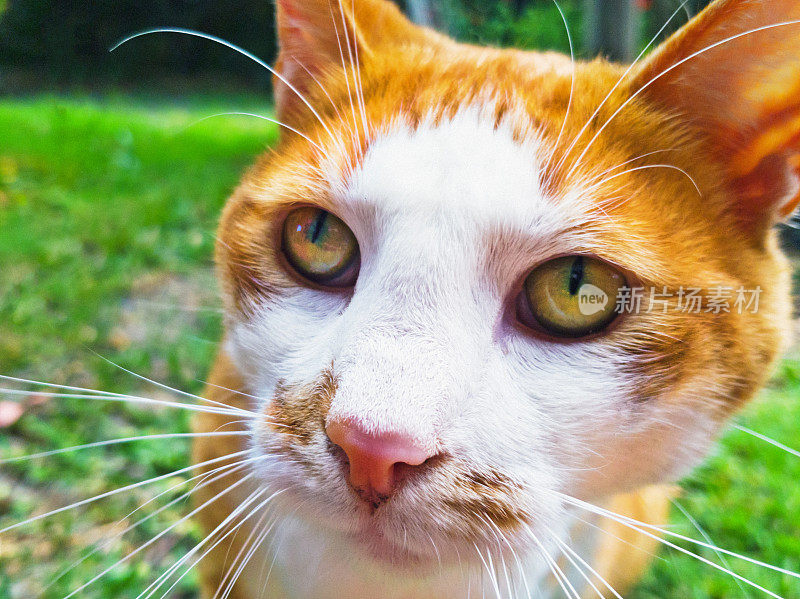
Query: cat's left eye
320,247
573,296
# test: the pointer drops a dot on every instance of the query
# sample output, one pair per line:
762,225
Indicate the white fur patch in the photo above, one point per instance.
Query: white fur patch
449,216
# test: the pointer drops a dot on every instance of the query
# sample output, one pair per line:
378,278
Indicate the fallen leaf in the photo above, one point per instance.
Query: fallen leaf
10,412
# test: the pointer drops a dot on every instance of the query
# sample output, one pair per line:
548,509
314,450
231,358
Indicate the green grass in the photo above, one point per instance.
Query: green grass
107,215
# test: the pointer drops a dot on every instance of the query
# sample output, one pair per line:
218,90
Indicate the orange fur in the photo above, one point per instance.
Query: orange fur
732,126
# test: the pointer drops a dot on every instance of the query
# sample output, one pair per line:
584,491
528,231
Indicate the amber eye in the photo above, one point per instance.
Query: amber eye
320,247
572,296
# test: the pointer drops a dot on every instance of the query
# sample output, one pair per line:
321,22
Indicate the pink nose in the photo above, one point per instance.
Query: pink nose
374,458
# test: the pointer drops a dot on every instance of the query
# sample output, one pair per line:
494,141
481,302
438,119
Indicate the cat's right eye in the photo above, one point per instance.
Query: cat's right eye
573,296
320,247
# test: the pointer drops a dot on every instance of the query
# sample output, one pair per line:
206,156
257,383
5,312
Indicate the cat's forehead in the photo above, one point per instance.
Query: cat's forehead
467,166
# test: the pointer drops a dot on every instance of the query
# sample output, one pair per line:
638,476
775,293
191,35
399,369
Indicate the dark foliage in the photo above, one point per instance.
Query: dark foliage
66,42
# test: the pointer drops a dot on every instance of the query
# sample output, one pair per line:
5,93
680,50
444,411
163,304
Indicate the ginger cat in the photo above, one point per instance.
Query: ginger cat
457,303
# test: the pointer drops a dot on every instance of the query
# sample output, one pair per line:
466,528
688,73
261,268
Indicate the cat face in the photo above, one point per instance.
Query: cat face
418,392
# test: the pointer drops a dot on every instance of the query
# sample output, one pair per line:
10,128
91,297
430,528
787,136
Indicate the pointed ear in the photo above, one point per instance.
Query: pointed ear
733,74
317,36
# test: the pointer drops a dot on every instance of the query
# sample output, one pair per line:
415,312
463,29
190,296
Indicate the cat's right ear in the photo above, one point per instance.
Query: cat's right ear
316,37
733,76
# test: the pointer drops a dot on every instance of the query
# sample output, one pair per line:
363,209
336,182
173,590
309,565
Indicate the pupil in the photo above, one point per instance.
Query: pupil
318,226
576,275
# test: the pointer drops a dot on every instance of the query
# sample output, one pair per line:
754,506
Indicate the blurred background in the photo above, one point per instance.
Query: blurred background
112,176
64,44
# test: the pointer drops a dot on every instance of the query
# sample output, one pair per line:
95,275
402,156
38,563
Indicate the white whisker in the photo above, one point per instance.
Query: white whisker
572,81
646,167
120,490
133,400
577,561
643,528
669,70
45,454
232,516
171,389
616,86
120,395
355,64
227,469
255,546
555,569
159,535
490,571
763,437
353,129
707,538
269,120
235,48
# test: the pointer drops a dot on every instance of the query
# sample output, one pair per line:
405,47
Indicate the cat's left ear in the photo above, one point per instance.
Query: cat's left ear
317,37
733,74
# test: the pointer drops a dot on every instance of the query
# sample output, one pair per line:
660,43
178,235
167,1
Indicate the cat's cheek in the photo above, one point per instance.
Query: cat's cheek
670,448
286,339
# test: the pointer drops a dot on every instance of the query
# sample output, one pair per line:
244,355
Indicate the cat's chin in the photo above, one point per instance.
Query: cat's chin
371,544
369,538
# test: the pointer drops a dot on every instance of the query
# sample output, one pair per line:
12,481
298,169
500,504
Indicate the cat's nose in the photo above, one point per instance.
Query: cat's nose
374,458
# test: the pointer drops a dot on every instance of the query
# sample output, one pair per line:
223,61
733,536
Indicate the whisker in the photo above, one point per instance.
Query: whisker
594,179
134,400
234,391
520,567
492,576
232,516
231,572
235,48
253,497
572,81
45,454
642,528
670,69
168,388
159,535
707,538
649,166
252,551
555,569
322,87
264,118
275,553
120,490
354,63
353,129
613,89
121,395
106,543
500,537
670,533
769,440
568,552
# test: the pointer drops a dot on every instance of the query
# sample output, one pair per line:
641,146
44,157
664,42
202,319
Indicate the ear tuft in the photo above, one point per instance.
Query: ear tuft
733,73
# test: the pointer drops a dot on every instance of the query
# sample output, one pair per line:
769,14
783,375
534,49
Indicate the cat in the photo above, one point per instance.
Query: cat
424,335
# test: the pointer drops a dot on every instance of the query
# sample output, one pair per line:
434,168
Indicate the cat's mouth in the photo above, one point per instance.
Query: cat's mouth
435,515
426,511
